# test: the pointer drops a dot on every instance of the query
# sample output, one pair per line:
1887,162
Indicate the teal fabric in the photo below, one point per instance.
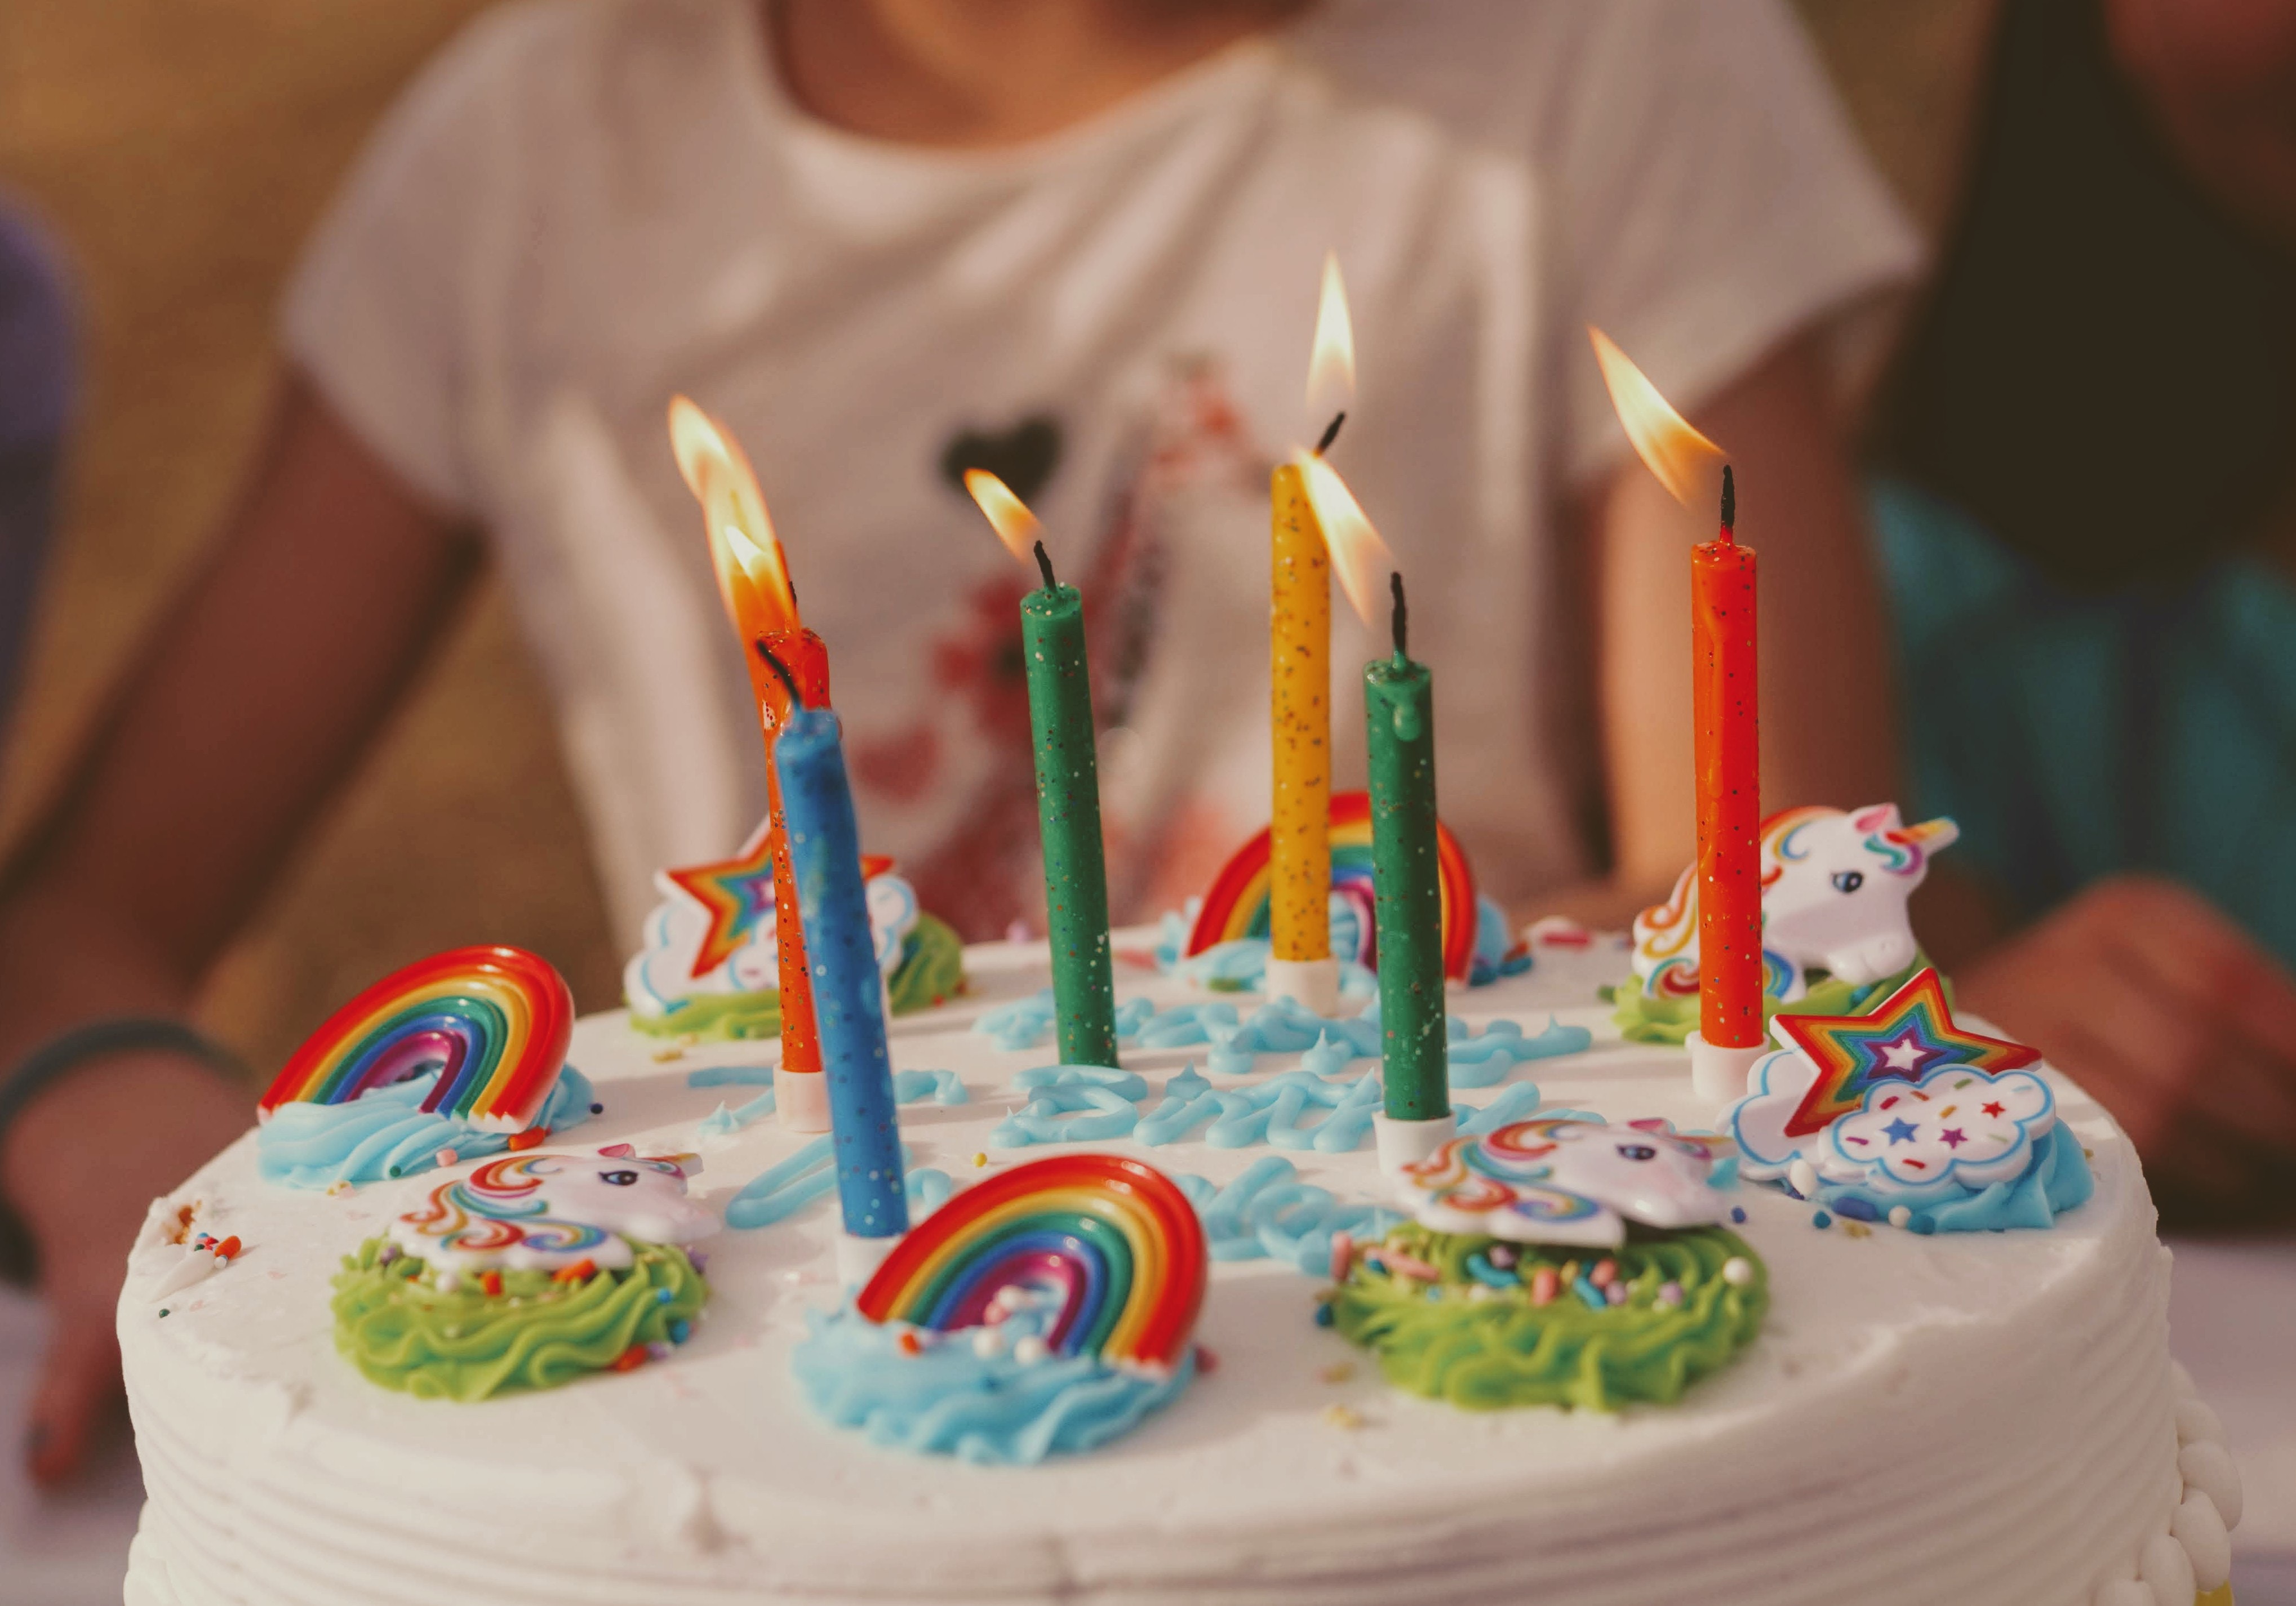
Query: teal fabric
2074,736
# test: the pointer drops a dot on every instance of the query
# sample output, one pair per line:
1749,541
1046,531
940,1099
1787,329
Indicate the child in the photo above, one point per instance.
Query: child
1076,241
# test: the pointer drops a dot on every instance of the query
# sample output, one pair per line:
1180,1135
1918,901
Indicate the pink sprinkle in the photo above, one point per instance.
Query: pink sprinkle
1207,1362
446,1157
1545,1285
1343,1254
1400,1265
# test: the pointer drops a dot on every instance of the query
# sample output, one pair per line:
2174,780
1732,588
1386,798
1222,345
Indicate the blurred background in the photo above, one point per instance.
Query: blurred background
179,150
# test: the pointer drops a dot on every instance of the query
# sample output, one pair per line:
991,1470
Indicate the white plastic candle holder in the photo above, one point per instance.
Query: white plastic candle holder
1718,1072
1402,1143
858,1259
801,1098
1313,983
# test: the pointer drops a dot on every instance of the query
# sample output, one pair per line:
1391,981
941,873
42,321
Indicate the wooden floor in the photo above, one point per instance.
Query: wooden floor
182,148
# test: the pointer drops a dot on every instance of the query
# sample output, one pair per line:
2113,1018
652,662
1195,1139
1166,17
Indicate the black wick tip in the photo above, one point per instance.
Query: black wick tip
788,680
1729,499
1331,432
1045,566
1400,617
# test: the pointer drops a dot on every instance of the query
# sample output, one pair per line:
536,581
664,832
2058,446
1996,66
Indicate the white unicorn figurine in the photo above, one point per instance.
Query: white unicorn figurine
1834,887
546,1210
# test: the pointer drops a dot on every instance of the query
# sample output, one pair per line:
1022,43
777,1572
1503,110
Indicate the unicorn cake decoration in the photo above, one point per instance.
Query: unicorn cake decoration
1562,1179
1561,1260
1835,885
525,1272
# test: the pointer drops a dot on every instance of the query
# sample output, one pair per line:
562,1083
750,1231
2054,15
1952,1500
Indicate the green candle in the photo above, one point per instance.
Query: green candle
1400,714
1067,811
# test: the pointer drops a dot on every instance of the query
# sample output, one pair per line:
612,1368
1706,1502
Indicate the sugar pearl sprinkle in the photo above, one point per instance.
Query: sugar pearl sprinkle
1737,1271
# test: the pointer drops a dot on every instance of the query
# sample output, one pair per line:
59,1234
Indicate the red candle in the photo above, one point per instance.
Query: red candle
1729,787
753,582
801,654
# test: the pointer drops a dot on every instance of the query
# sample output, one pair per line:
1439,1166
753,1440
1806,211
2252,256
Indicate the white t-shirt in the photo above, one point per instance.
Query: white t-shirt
584,206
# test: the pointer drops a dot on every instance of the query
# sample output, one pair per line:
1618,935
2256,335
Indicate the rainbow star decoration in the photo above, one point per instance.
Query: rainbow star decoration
738,893
1909,1036
738,896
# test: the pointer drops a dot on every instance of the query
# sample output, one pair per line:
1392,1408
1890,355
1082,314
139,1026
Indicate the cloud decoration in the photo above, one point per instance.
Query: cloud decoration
1956,1125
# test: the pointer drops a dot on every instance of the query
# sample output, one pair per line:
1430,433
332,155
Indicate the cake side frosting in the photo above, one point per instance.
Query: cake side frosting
1834,1456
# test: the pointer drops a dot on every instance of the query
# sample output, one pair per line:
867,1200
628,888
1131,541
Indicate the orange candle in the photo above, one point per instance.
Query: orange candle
753,582
1729,786
801,654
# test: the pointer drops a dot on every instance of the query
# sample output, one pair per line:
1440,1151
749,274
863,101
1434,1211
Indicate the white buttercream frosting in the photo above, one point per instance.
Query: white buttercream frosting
1985,1416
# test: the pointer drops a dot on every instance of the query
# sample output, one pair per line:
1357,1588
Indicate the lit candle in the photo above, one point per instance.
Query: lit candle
1729,795
1407,875
753,582
1726,757
1067,787
848,986
1407,889
1301,965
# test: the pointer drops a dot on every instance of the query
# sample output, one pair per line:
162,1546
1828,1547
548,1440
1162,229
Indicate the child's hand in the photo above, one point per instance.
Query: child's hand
2178,1024
80,1165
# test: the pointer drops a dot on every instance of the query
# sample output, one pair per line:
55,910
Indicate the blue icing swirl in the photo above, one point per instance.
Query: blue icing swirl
950,1399
385,1132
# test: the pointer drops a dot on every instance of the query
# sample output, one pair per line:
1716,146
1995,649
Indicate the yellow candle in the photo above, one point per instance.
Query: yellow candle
1299,637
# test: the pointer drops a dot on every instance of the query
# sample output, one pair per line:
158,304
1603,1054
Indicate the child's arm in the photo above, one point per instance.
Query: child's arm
254,696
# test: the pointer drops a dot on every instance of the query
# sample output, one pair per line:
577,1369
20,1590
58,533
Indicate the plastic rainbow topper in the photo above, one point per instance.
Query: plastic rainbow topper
1118,1237
1235,906
493,1022
1906,1036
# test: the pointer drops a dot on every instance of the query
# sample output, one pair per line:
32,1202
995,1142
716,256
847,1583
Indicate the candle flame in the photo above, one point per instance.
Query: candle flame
1332,365
752,577
1684,460
1008,515
1358,556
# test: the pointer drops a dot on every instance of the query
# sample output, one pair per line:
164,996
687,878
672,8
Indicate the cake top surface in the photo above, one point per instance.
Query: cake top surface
1879,1347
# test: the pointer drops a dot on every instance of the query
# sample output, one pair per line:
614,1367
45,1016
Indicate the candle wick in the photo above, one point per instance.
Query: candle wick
1400,618
1331,432
789,681
1729,503
1044,566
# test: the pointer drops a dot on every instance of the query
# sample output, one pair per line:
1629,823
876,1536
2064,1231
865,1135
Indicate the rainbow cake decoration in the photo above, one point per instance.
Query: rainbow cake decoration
1562,1260
707,967
1046,1310
1235,908
525,1272
454,1057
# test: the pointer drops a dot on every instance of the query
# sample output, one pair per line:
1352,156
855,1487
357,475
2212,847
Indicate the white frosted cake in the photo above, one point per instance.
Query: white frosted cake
1985,1416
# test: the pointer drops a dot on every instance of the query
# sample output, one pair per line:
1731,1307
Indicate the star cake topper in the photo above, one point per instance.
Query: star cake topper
1908,1037
738,895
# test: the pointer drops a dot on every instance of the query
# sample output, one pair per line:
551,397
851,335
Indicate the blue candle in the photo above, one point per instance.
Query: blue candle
847,993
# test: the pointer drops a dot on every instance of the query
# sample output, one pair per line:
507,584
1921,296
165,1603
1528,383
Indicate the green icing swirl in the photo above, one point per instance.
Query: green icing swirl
397,1328
931,971
1496,1350
1642,1018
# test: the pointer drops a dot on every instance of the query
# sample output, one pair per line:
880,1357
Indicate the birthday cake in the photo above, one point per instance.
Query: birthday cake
1791,1399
